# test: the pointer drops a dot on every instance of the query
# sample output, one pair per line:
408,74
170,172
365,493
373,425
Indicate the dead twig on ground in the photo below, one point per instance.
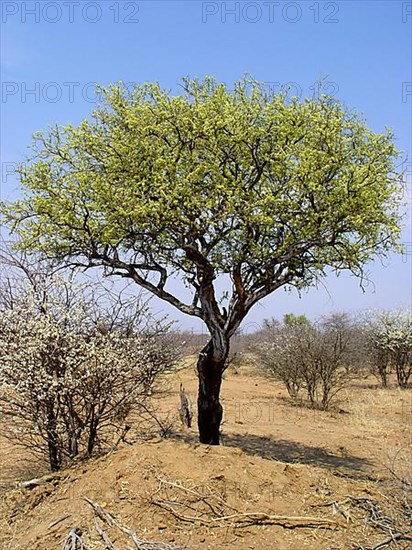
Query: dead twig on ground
32,483
211,509
104,536
375,518
336,508
110,520
253,518
73,541
54,523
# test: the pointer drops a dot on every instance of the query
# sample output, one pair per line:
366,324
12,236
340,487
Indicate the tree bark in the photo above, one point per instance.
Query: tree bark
55,459
210,368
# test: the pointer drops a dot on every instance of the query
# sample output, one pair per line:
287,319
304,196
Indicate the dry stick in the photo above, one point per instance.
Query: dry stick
289,522
245,518
253,518
202,498
336,506
104,536
187,519
32,483
220,500
178,486
112,522
377,519
72,540
54,523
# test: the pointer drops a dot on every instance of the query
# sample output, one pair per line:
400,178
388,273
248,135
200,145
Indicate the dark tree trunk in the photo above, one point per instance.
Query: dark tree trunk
210,367
92,433
55,459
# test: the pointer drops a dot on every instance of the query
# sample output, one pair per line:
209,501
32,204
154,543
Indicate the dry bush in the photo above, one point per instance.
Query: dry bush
317,358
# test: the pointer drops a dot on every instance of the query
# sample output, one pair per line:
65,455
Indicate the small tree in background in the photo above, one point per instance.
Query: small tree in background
71,370
317,357
214,183
274,349
389,336
336,356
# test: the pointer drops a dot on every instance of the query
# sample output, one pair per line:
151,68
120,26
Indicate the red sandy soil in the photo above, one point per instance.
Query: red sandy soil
276,459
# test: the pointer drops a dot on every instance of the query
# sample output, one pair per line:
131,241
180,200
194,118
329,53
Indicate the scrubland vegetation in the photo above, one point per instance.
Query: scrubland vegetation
86,370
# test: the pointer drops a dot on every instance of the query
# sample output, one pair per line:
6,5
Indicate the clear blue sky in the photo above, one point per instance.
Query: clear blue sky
53,52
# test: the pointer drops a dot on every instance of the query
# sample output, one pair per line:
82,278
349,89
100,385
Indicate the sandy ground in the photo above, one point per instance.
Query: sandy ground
276,459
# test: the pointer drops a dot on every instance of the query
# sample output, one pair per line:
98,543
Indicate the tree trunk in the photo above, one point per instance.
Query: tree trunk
55,459
91,440
210,367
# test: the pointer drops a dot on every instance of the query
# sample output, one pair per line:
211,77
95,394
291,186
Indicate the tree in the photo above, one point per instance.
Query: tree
211,184
389,335
278,355
318,357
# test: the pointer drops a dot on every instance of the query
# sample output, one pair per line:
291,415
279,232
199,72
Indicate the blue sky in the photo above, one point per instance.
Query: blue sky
52,53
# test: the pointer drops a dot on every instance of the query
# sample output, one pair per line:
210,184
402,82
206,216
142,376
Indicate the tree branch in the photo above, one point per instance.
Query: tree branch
129,271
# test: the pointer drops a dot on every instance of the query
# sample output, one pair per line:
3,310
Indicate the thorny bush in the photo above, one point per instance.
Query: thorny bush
71,369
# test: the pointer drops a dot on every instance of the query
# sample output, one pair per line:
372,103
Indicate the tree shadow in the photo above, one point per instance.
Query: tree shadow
286,451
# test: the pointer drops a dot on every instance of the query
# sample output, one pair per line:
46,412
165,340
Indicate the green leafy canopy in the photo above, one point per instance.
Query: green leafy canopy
246,183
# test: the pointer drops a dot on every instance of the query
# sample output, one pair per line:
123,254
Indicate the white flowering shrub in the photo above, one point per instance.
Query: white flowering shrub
67,375
390,344
276,355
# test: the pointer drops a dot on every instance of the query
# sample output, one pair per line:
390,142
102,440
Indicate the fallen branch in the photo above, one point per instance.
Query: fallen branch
336,507
289,522
104,536
35,482
110,520
54,523
73,540
212,510
254,518
218,501
375,518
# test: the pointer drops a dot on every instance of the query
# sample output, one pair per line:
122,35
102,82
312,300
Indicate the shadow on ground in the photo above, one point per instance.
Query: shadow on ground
287,451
